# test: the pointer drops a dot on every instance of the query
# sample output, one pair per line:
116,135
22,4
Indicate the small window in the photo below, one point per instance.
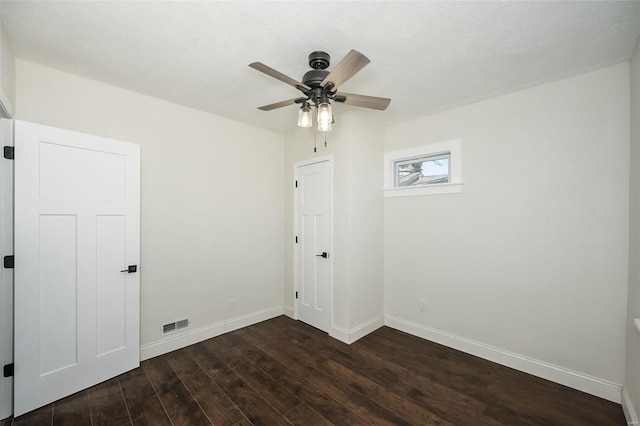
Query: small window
424,170
427,170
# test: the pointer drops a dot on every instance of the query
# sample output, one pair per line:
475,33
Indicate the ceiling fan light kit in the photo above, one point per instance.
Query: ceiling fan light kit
320,86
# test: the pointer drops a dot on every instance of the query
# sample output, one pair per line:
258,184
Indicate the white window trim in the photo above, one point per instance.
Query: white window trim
455,186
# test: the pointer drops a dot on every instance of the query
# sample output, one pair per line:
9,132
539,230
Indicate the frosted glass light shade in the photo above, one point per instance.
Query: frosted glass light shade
305,116
324,126
325,117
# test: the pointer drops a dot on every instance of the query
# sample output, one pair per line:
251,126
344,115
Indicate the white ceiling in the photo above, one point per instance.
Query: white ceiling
425,56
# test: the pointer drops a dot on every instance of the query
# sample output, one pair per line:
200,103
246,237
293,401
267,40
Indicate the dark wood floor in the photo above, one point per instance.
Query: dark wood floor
285,372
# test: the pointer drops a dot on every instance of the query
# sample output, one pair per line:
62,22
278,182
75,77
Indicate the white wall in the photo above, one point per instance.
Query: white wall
367,224
632,373
212,197
356,144
7,72
529,262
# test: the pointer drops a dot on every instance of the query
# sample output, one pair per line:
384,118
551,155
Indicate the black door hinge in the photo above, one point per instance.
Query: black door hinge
296,294
9,152
296,184
296,239
8,262
7,370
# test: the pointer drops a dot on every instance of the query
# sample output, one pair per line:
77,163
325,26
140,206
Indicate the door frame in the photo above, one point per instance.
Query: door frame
296,284
6,249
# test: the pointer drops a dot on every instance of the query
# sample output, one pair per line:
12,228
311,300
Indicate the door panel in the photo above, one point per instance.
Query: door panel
111,285
78,173
313,277
58,292
77,226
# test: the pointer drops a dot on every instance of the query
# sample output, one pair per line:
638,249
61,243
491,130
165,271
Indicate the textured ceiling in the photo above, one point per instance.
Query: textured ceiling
425,56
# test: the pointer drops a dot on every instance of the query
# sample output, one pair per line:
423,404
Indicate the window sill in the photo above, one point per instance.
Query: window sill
436,189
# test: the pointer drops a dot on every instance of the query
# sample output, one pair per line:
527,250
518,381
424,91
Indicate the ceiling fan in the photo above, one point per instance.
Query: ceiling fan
319,87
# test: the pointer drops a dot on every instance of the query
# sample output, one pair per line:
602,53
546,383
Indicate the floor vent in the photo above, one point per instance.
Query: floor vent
170,327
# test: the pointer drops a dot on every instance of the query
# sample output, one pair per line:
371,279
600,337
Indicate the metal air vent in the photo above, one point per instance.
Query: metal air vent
170,327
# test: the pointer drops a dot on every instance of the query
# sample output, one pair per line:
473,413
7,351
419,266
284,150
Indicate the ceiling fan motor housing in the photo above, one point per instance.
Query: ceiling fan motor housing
313,78
319,60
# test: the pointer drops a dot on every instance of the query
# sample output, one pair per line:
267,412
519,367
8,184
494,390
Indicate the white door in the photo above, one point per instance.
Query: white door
77,229
313,247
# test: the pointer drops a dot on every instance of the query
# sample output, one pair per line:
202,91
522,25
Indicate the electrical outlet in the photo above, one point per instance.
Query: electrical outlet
422,305
232,304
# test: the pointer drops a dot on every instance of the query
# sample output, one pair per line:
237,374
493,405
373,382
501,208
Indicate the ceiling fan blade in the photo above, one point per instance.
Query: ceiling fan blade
278,75
346,68
364,101
281,104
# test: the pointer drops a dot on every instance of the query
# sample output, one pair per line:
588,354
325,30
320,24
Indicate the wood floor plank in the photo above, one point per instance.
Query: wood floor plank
304,355
303,415
372,412
40,417
404,407
215,403
335,389
445,365
304,362
317,377
283,371
226,352
442,400
520,399
243,422
143,403
454,369
107,404
73,410
386,376
304,390
373,379
254,407
176,399
269,388
446,403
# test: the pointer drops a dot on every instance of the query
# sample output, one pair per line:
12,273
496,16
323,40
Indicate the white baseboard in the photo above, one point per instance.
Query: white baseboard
340,334
358,332
288,311
365,328
189,337
181,340
627,408
574,379
253,318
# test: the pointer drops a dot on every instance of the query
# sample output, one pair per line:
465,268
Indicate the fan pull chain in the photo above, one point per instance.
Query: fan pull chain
315,141
325,139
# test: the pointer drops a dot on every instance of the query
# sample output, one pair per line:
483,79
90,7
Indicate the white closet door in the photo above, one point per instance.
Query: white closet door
77,230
